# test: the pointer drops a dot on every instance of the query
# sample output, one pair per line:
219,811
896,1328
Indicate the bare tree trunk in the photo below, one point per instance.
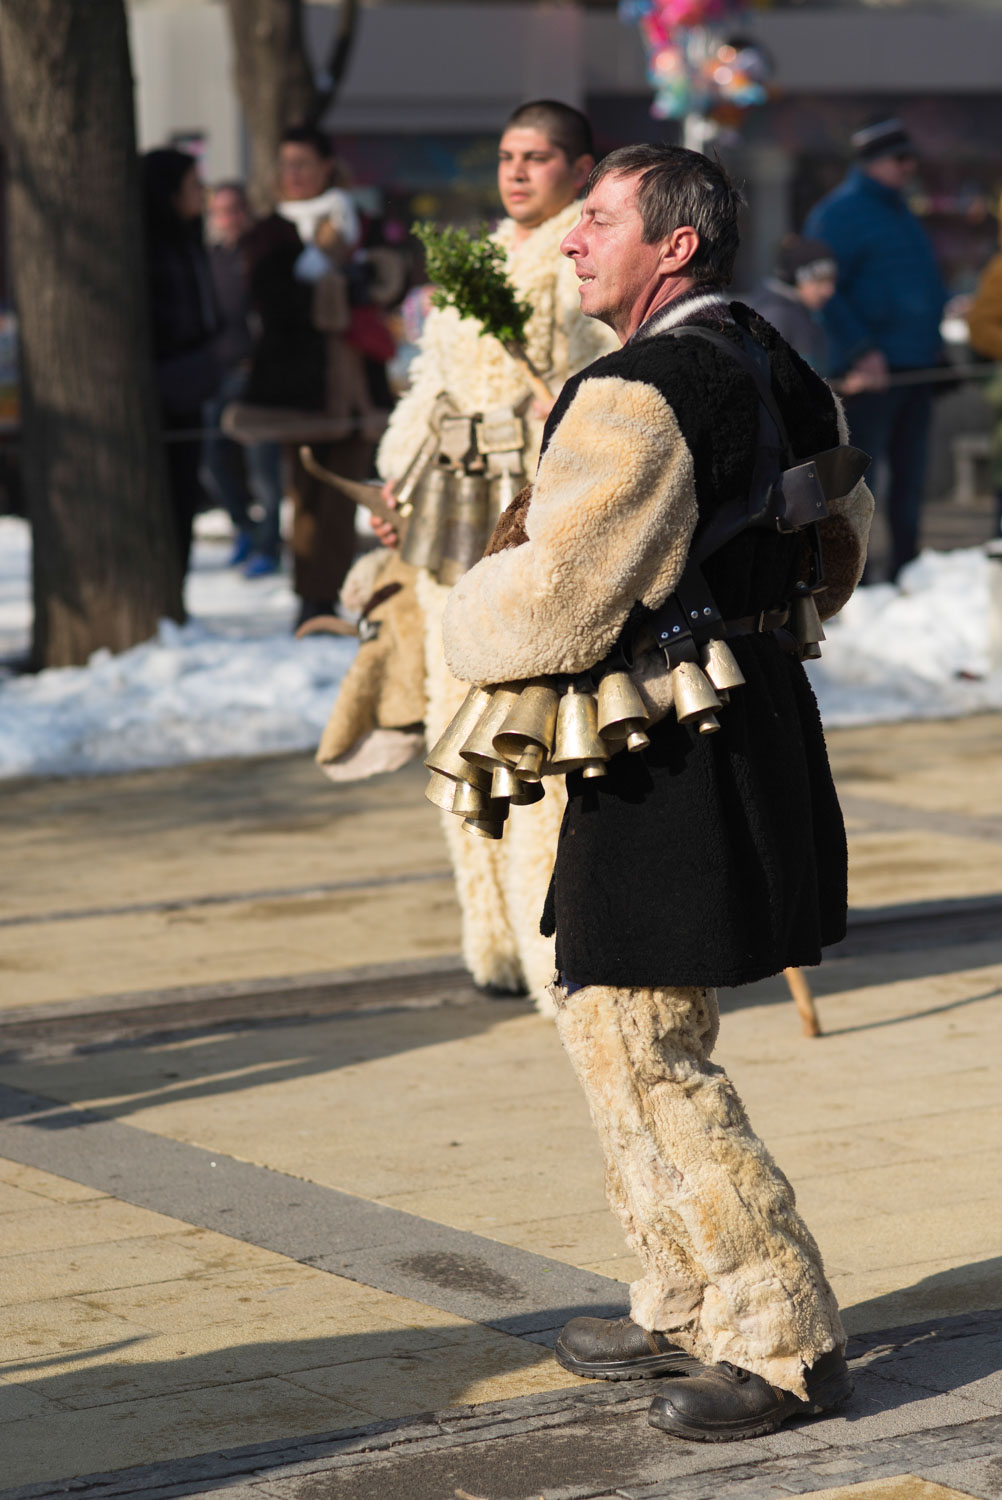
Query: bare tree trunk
105,566
274,79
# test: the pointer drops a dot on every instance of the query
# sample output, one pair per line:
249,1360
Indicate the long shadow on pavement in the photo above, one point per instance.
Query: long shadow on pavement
283,1051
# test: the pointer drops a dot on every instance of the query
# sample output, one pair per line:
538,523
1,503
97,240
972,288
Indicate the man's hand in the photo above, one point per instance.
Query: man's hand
385,532
869,373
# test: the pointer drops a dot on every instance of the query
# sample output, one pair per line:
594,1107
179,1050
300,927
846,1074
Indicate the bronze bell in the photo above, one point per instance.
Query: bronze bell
530,724
502,489
489,823
577,744
530,763
528,792
422,545
506,787
695,700
721,668
478,747
805,622
504,784
621,712
444,757
470,801
441,791
484,828
466,527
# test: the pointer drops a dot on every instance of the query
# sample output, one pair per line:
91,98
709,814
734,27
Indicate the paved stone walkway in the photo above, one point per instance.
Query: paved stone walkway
265,1205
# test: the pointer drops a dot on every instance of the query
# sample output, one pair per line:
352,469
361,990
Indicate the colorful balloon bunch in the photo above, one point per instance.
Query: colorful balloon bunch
694,67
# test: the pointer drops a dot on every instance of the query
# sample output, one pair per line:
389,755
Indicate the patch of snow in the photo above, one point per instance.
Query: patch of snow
918,650
234,681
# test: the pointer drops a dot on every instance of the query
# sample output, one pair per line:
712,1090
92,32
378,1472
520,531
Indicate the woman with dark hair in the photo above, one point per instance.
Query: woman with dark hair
185,322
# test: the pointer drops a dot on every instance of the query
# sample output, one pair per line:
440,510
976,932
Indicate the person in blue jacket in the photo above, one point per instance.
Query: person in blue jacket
884,318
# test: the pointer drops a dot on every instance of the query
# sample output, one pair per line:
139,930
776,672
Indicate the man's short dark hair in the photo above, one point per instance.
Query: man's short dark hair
564,127
679,187
308,135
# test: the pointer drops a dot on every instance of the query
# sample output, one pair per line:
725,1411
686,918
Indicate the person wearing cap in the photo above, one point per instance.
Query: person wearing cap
984,324
791,299
884,318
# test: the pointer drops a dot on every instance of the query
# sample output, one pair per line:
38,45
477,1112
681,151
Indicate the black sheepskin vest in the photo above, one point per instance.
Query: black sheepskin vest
714,859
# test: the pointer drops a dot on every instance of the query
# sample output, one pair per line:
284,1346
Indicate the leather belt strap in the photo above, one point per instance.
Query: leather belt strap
766,619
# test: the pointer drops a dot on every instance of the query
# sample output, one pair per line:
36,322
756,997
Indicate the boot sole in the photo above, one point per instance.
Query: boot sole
647,1367
676,1426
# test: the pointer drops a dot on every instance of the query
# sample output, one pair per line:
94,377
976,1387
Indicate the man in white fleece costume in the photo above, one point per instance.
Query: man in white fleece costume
709,858
544,157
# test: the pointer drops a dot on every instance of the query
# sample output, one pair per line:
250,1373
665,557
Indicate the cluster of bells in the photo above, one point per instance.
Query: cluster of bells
467,470
505,739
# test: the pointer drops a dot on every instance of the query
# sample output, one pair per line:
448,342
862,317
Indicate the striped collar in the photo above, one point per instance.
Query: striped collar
683,309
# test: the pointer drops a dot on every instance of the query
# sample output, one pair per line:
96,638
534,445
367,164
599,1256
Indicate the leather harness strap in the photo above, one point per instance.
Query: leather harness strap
766,619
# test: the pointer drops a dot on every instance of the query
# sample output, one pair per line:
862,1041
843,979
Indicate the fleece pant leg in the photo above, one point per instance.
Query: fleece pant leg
731,1271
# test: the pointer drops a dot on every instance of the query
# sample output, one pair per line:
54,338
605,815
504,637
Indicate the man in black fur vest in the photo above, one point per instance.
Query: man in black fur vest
712,858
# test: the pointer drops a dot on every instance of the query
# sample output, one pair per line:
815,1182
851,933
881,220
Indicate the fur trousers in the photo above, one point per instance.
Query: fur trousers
501,884
730,1270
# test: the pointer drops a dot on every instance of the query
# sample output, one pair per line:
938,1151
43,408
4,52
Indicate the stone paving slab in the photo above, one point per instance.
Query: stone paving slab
905,1391
902,1093
293,875
475,1278
212,873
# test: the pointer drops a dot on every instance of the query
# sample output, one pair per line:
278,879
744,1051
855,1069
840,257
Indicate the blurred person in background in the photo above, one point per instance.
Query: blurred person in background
378,279
791,299
984,323
186,322
302,363
238,476
884,318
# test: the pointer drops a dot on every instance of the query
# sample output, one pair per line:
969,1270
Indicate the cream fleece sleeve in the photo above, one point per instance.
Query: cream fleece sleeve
613,510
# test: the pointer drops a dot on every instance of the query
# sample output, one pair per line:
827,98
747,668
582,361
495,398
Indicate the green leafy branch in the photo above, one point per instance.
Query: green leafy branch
468,274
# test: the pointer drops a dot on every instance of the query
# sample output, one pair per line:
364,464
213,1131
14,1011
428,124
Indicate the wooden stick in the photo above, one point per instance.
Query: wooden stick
804,1001
362,493
539,386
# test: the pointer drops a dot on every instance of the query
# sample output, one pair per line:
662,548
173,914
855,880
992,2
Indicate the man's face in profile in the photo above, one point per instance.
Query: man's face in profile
613,264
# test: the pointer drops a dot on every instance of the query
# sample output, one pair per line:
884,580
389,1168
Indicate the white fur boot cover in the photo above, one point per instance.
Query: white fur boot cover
731,1271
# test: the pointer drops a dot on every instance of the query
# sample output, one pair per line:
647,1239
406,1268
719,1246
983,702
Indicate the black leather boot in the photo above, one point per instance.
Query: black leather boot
618,1349
724,1403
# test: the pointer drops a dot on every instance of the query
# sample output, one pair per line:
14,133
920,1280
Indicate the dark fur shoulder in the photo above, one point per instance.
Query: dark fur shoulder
712,396
804,398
